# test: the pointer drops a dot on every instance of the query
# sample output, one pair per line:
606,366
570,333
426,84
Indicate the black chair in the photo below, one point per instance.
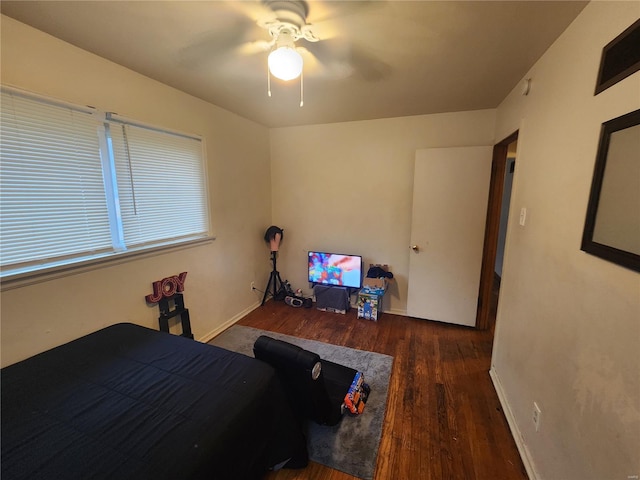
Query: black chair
316,388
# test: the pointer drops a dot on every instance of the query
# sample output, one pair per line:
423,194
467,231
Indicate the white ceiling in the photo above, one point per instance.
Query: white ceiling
377,58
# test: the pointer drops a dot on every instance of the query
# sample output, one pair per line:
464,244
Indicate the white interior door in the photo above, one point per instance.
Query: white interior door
450,192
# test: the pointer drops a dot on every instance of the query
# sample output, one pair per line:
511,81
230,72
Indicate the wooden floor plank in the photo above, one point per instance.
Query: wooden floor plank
443,418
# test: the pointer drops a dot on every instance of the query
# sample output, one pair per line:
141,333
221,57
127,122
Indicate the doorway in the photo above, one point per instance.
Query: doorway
502,170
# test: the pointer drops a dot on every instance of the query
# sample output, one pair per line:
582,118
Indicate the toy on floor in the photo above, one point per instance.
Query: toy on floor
357,395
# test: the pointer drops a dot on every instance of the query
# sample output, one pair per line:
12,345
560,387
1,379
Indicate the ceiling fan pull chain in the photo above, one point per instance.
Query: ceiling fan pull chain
268,81
301,88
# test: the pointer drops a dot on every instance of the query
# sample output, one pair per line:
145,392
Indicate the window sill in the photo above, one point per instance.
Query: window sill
18,280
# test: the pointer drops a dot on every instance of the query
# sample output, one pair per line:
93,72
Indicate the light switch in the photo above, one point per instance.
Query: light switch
523,216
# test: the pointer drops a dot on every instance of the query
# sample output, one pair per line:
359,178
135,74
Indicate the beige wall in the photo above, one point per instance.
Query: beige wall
347,188
568,323
217,290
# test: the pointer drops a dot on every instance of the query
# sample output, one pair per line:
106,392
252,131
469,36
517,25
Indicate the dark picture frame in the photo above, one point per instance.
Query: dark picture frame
627,208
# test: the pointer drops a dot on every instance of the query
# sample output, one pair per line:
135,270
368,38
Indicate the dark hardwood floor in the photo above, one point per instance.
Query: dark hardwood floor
443,418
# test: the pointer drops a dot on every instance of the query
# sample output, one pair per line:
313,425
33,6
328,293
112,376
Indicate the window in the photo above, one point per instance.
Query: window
77,185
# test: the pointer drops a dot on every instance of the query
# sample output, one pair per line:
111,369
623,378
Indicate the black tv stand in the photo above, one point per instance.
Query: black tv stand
332,298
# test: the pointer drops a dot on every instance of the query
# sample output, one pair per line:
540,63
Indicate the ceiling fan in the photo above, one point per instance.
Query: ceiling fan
294,41
288,25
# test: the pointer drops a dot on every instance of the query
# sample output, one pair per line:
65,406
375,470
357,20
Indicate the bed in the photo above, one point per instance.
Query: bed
128,402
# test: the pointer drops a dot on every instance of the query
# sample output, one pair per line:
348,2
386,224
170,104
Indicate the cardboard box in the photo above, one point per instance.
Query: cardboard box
369,301
377,283
369,305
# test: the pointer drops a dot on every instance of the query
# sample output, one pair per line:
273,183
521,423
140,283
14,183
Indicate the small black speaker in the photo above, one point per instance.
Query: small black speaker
297,301
332,299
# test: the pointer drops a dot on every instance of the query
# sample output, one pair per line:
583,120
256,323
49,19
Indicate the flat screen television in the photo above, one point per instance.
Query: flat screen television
335,269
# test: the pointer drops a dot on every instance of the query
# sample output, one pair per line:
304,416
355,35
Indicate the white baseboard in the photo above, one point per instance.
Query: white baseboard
217,331
513,426
396,311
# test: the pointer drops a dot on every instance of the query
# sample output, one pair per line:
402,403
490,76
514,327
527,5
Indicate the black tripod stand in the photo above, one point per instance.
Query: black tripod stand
274,281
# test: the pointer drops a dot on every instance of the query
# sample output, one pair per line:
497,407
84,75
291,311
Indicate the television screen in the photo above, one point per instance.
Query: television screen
335,269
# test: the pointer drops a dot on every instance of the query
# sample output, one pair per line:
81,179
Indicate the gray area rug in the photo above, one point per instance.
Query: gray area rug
352,445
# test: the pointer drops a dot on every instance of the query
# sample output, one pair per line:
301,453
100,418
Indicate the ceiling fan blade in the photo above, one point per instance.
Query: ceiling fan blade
252,48
340,59
367,65
325,30
254,10
311,63
213,46
321,11
329,19
328,59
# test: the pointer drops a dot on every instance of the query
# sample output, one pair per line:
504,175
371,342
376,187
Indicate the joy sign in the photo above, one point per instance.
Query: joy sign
167,287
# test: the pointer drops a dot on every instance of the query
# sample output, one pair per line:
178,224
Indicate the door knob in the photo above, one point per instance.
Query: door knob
415,248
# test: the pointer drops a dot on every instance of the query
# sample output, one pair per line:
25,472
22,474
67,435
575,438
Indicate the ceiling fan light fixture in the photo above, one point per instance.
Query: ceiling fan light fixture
285,63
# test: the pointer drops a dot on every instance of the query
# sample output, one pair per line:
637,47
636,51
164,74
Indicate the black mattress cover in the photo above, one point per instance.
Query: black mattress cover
128,402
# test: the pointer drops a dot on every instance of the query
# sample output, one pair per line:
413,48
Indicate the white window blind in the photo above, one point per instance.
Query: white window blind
76,187
52,200
160,185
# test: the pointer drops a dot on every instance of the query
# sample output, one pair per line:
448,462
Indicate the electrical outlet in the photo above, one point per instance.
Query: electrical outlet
253,286
537,414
